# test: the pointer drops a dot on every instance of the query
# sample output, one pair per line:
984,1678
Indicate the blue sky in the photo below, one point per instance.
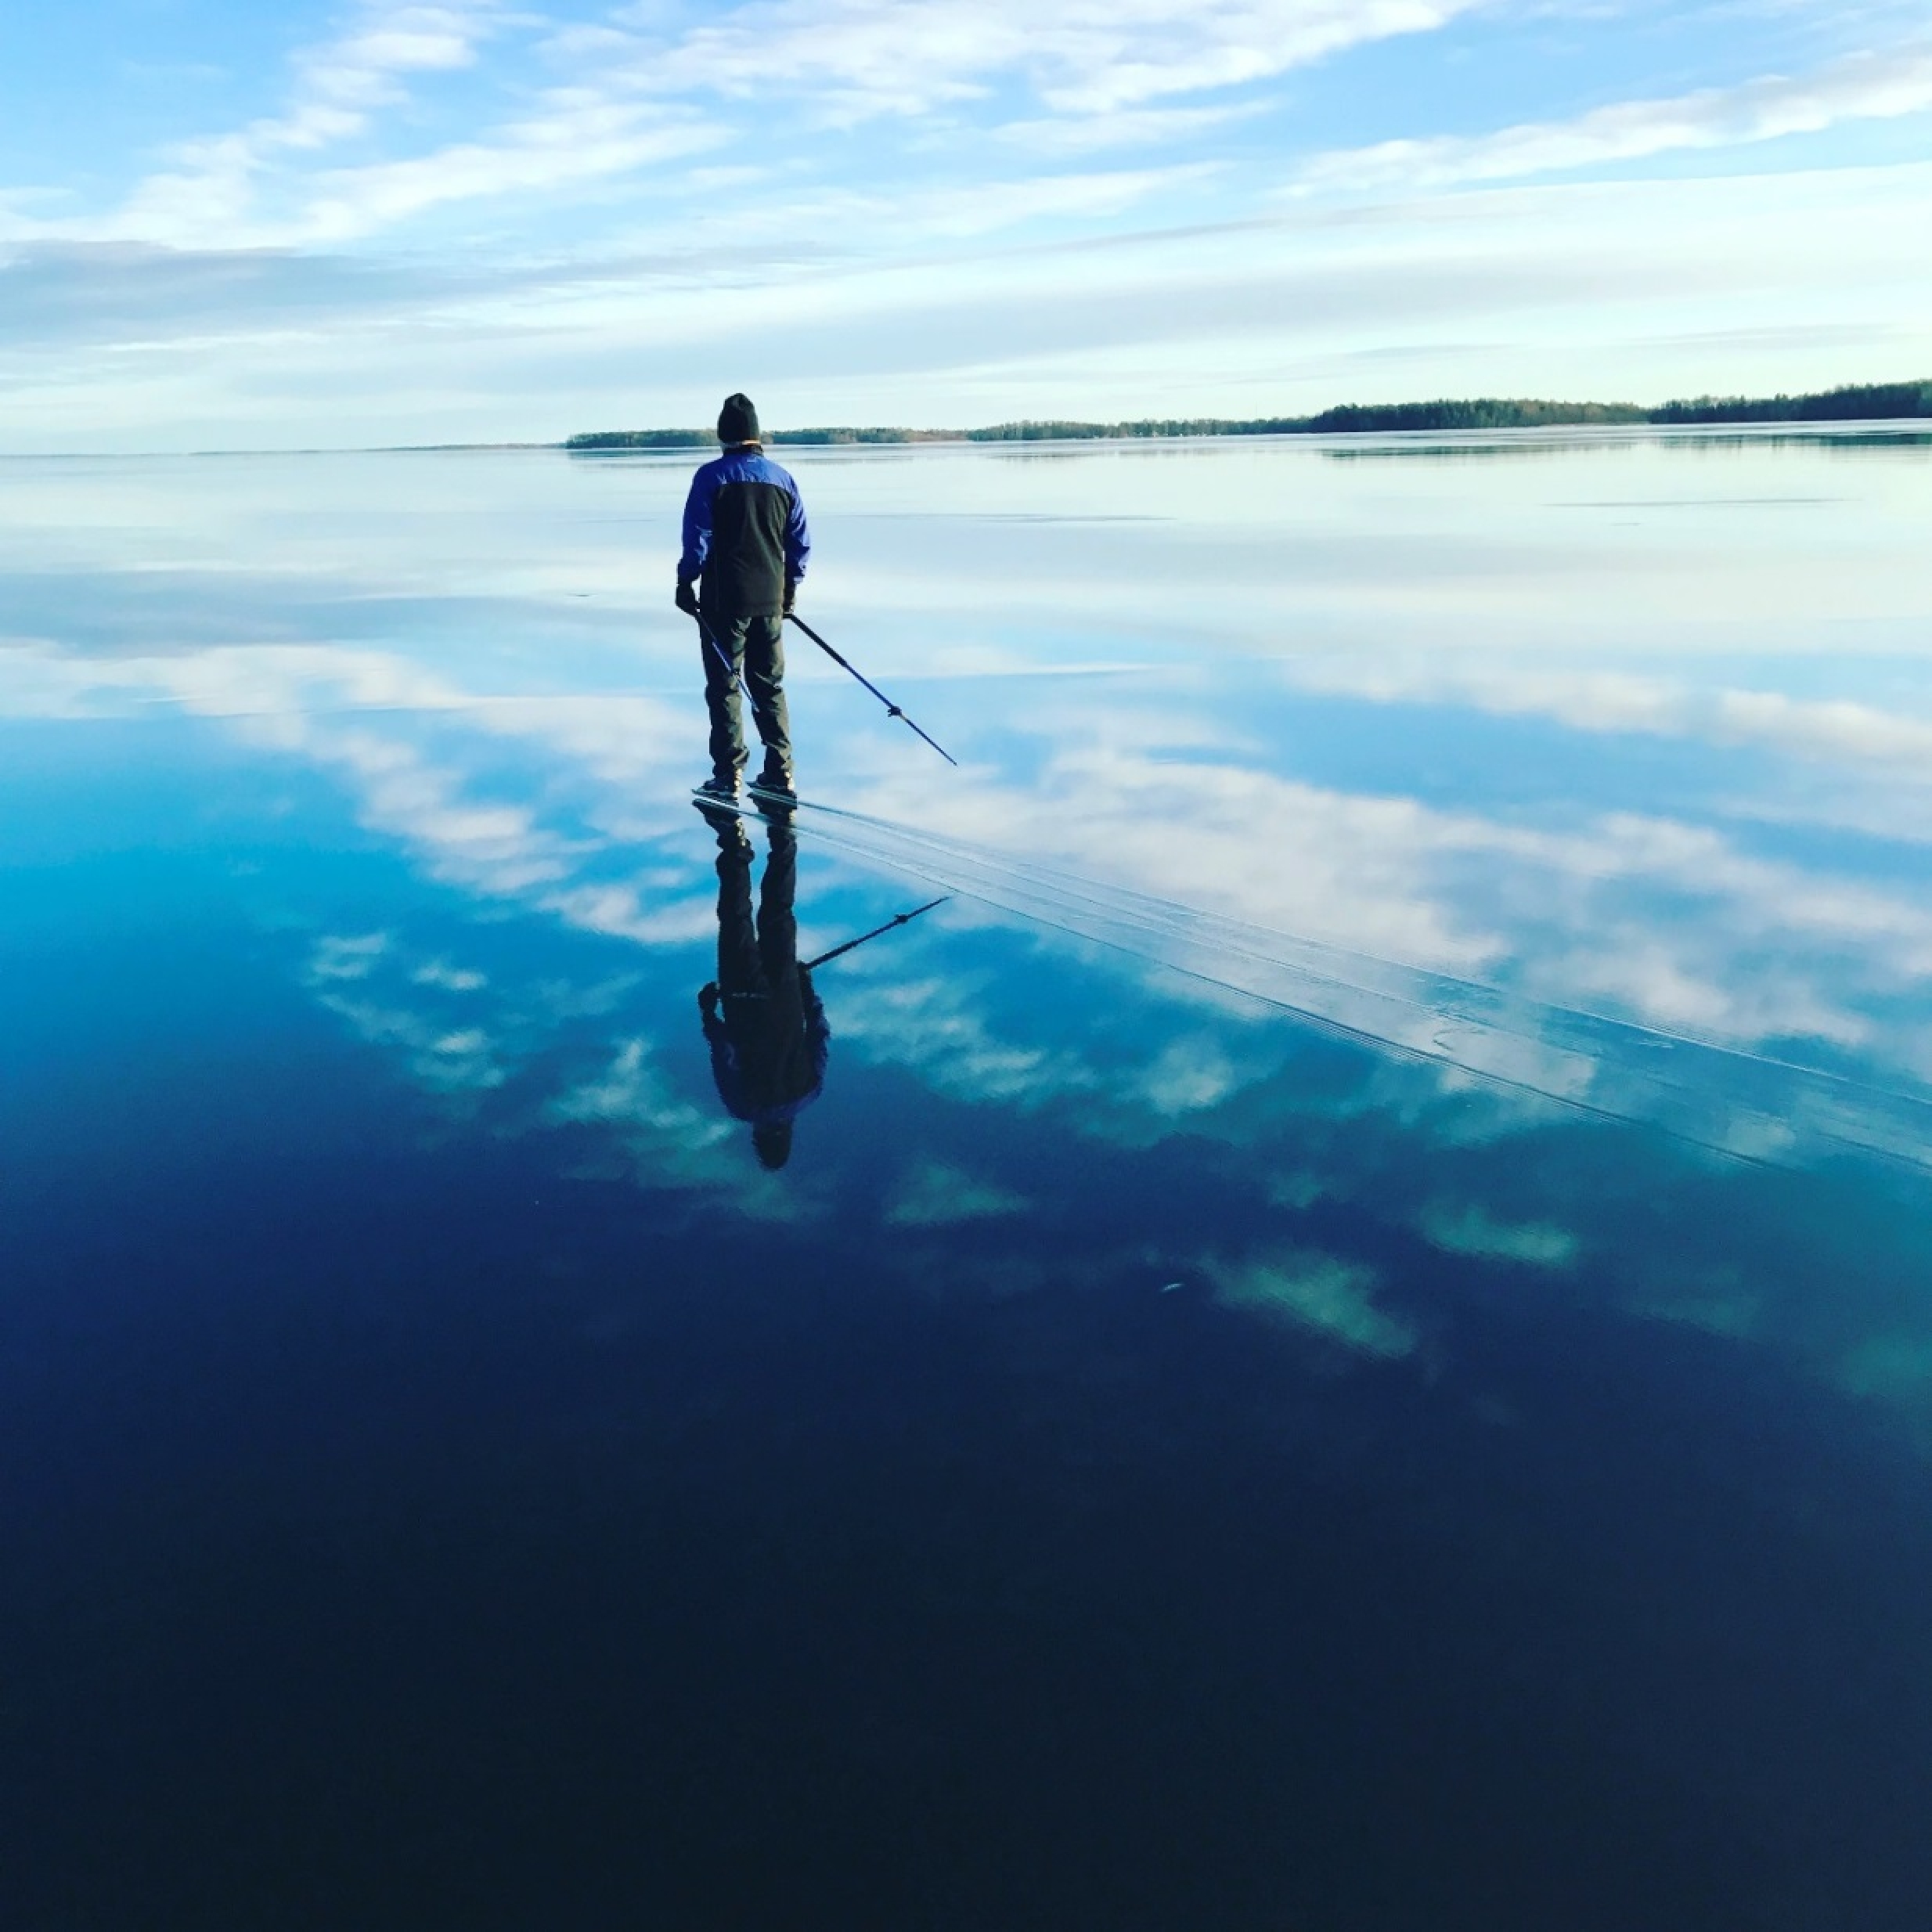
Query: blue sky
301,226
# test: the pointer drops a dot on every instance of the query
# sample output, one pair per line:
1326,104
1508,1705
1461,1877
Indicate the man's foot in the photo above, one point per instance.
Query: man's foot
773,786
717,791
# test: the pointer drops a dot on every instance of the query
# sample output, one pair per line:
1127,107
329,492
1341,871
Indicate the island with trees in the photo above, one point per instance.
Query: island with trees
1865,402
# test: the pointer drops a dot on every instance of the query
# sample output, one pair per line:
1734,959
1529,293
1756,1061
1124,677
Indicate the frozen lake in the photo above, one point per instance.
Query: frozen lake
1350,1341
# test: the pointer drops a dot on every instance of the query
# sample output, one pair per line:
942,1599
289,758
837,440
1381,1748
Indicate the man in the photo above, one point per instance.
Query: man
745,547
763,1022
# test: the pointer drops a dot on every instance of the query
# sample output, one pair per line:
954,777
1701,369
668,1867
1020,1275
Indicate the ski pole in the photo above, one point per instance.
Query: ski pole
903,919
891,710
731,670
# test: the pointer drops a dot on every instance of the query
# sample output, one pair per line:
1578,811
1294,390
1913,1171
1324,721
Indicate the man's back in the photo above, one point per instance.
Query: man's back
744,535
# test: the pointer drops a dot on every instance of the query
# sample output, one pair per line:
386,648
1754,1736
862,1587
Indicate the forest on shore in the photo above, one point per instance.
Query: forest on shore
1856,403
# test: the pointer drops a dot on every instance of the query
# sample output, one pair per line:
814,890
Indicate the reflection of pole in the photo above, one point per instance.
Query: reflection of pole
903,919
891,710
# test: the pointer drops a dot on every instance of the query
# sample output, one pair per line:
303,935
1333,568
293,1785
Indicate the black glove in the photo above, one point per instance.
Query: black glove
791,594
687,597
708,1000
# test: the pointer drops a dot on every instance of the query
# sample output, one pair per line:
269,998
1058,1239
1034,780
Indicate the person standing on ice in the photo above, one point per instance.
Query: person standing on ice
745,548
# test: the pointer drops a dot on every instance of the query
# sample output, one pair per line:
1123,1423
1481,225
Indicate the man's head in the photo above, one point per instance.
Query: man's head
738,421
773,1139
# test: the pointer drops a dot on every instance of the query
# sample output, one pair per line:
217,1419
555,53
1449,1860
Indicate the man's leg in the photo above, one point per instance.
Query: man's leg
739,969
765,677
725,635
777,900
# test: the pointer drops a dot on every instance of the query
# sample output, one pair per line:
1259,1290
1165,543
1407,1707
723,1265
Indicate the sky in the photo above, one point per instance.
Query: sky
300,226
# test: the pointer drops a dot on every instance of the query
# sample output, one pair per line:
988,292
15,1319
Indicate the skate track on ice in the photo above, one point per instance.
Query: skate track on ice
1748,1106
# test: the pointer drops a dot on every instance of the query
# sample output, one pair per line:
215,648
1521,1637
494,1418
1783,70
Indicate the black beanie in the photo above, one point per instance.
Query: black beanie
738,421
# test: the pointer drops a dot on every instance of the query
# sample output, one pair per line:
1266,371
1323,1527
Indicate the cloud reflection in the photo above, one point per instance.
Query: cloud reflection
1177,812
1169,860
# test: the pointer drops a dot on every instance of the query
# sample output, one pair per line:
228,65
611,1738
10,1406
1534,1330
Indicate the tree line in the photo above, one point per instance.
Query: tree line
1862,402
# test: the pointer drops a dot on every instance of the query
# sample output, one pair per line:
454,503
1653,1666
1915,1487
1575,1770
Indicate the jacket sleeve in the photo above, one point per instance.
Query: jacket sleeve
726,1073
797,537
697,525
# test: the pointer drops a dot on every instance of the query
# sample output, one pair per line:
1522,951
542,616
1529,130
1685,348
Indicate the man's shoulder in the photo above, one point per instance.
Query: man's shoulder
754,467
744,465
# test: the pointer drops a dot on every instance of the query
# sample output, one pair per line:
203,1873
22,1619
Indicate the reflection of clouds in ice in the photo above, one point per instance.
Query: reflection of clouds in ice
1717,1300
1742,1102
936,1194
461,1034
1633,970
1472,1230
1584,699
393,999
498,847
1231,840
1386,868
632,1089
437,972
1870,1337
348,957
1171,781
935,1027
1195,784
446,1062
365,716
1897,1367
1835,729
1666,923
1322,1293
1191,1074
633,912
666,1141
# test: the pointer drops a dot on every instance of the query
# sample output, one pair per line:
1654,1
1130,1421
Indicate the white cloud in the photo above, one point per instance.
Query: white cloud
580,137
1139,127
1864,87
891,313
858,59
631,104
209,192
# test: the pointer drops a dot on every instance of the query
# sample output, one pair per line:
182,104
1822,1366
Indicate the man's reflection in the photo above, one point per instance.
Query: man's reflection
765,1025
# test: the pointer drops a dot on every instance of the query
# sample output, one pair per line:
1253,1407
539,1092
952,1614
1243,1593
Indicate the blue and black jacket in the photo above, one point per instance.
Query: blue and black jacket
769,1048
744,535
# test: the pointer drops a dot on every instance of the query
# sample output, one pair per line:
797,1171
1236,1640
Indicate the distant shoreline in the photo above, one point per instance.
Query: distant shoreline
1868,403
1863,402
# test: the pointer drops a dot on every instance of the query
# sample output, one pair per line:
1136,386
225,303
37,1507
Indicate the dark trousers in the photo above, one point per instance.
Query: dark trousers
754,647
762,984
759,959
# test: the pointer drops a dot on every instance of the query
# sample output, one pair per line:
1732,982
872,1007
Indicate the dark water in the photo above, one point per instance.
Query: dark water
1349,1344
